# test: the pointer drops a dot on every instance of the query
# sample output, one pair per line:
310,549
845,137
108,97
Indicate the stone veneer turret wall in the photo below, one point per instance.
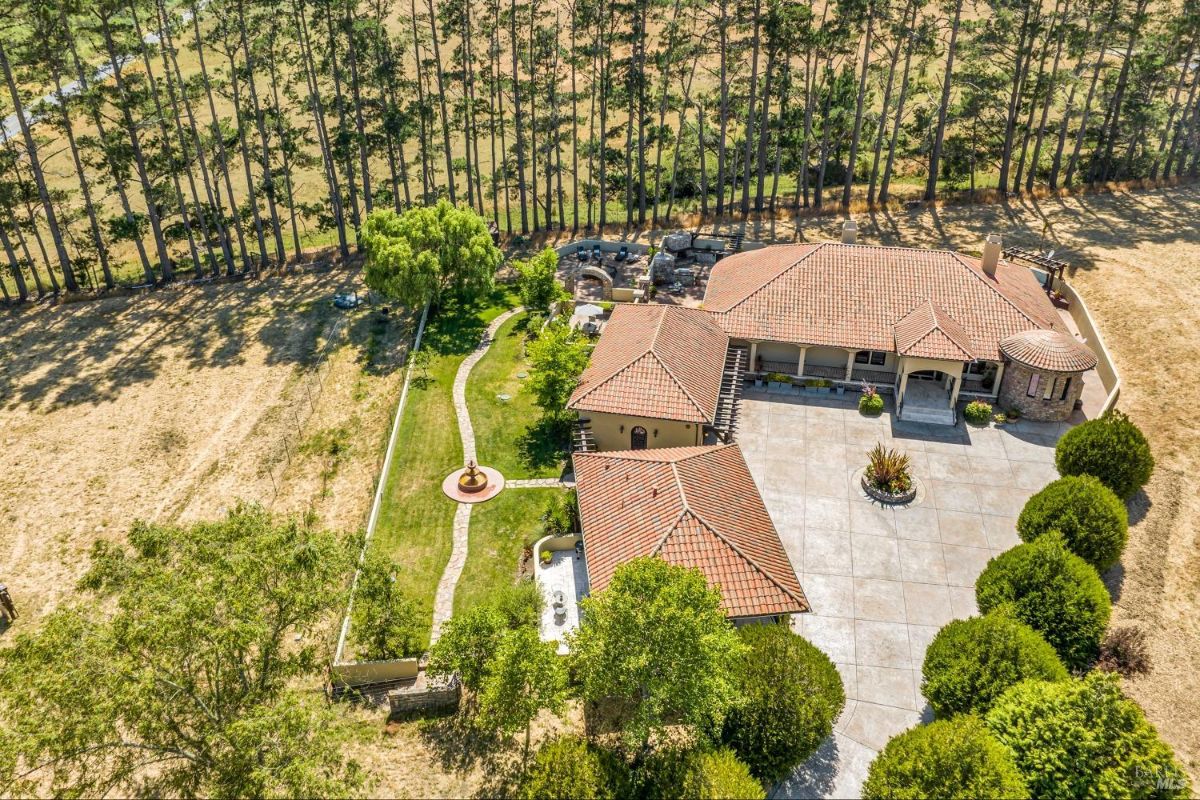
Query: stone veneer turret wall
1015,384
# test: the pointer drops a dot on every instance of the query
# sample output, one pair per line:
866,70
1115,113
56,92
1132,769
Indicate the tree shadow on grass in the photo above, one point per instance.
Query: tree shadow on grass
459,743
455,327
544,443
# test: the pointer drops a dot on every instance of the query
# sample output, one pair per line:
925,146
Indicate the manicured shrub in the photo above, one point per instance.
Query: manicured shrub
719,775
1124,651
561,515
570,767
789,694
1092,520
977,412
972,661
947,758
1112,449
1053,591
1084,738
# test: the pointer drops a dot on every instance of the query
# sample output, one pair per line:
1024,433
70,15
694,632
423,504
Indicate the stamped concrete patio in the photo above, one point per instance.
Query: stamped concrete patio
883,580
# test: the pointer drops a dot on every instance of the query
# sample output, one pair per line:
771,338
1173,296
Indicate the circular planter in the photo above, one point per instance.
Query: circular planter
888,497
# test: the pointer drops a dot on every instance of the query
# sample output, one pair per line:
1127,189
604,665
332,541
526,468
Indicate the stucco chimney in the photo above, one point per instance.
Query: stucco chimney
991,253
849,232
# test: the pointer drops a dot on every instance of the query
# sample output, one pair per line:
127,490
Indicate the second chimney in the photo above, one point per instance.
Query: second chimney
849,232
991,253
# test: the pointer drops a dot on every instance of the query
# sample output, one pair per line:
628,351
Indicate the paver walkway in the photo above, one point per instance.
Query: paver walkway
443,602
882,580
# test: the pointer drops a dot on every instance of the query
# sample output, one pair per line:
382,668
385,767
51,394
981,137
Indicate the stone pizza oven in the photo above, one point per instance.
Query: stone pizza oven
1044,376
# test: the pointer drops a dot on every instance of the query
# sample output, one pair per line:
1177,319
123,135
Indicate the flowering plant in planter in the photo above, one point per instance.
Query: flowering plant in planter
871,401
888,471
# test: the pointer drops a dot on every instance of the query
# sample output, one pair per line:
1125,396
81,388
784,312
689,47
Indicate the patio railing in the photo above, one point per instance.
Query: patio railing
810,370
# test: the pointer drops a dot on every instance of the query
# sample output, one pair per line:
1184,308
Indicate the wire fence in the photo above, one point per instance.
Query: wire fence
308,392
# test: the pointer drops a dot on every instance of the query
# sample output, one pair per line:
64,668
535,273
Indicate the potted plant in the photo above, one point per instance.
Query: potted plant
888,476
778,382
546,557
871,402
817,386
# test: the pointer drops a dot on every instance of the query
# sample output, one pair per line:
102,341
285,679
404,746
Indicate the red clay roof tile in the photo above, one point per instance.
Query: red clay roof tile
655,361
855,296
694,506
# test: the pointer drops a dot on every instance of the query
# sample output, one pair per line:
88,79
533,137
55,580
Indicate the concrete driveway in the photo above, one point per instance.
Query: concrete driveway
883,580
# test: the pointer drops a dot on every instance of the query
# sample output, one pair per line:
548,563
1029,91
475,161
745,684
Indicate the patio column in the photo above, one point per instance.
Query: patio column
753,356
800,366
850,363
998,378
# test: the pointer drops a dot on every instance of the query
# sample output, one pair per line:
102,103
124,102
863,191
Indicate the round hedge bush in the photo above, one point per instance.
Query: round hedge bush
719,775
972,661
1084,738
947,758
1053,591
1092,520
570,767
789,694
1110,448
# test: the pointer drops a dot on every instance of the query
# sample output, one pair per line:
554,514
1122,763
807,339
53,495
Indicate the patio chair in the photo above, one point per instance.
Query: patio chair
623,253
596,252
581,253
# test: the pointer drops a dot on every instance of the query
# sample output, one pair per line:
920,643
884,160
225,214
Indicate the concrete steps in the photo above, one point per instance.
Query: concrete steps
932,416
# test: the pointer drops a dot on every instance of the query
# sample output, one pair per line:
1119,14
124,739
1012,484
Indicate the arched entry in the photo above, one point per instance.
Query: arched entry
637,438
592,271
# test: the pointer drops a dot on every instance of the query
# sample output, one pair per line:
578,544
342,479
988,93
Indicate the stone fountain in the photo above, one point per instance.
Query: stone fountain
473,483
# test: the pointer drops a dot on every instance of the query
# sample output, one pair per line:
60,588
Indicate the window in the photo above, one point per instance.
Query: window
637,438
875,358
1034,382
1066,388
1049,389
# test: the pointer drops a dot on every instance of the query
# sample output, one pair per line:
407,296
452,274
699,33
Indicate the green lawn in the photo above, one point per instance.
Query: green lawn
508,433
500,530
415,518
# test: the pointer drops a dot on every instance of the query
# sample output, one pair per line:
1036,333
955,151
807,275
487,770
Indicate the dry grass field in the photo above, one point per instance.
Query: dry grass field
174,404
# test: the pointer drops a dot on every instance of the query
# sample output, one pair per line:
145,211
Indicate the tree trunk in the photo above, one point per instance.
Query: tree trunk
517,118
222,153
35,167
748,150
318,112
138,158
437,58
935,155
858,110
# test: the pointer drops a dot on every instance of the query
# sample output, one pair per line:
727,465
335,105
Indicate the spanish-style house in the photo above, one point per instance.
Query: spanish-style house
931,326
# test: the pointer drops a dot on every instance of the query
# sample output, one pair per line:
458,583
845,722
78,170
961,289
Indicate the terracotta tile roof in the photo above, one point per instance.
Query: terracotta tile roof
1053,351
657,361
693,506
929,332
855,296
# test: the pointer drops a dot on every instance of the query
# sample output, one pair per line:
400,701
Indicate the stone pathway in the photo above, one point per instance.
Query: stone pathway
443,603
539,483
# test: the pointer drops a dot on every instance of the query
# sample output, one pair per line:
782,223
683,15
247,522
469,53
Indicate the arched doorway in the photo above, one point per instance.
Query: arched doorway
637,438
